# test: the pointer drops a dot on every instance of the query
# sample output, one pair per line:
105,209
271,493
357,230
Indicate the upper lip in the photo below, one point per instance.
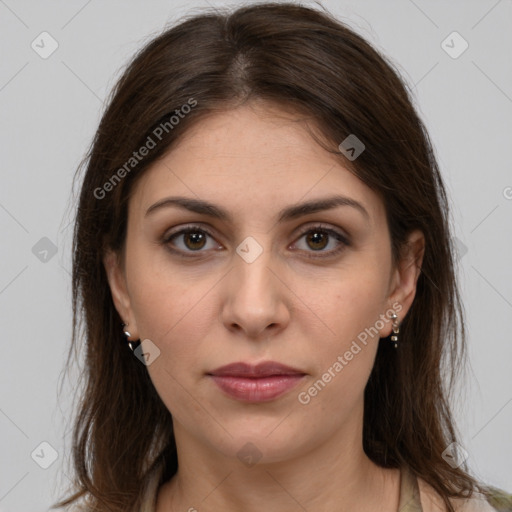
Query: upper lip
264,369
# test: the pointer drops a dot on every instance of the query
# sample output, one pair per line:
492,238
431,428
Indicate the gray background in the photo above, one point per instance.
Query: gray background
50,108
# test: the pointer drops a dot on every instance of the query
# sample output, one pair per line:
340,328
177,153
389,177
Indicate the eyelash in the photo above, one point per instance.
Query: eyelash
341,238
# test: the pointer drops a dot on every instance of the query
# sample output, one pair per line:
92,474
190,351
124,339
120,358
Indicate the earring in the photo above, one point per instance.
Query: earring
128,335
396,329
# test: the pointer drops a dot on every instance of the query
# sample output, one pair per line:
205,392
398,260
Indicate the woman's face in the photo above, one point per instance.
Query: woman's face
258,279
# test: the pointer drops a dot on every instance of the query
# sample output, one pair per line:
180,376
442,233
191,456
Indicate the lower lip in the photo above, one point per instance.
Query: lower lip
262,389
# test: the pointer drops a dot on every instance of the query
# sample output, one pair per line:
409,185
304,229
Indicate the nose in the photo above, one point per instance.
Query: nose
256,301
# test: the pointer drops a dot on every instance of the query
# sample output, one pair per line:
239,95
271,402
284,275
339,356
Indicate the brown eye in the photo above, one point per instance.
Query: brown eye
194,240
317,239
189,240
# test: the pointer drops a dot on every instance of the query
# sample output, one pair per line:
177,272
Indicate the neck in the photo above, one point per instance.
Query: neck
337,475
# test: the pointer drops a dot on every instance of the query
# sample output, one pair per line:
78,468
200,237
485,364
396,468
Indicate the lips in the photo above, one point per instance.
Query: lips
256,383
265,369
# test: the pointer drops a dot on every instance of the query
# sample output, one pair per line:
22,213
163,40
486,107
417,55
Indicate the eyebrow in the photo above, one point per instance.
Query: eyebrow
289,213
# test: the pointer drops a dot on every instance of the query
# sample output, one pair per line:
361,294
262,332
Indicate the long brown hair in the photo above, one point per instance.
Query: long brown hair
306,60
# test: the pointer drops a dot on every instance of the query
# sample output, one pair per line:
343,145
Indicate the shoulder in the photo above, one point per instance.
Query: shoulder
432,502
500,500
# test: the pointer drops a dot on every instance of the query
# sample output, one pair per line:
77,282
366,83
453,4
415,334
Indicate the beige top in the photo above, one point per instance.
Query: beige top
418,496
415,496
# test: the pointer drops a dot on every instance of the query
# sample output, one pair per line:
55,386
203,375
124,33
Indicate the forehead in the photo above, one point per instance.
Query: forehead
249,158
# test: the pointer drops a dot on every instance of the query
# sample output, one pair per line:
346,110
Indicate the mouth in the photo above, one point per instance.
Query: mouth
256,383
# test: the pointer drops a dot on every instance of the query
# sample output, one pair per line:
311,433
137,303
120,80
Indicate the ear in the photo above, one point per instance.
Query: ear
405,277
118,288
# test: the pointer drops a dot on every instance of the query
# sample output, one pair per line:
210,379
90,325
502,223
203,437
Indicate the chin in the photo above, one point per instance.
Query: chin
262,443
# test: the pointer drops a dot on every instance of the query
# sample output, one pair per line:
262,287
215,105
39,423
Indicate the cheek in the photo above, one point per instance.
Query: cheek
343,364
176,315
160,296
176,312
353,307
349,304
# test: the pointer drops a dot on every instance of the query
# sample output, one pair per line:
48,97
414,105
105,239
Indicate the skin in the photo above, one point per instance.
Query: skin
215,308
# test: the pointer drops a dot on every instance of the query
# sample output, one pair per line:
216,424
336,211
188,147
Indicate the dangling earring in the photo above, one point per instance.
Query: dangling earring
396,330
128,335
